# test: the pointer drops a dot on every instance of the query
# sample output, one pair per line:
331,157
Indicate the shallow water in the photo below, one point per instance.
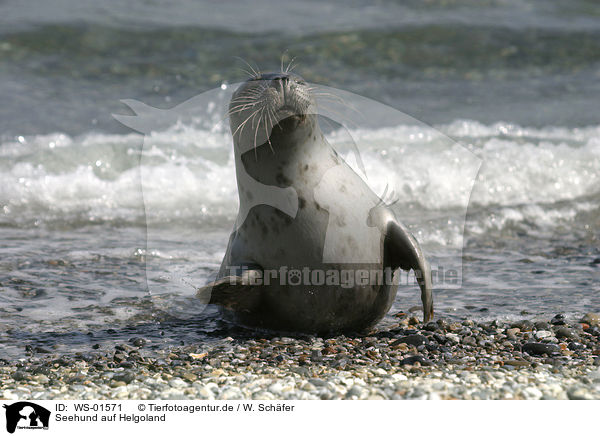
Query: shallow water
515,83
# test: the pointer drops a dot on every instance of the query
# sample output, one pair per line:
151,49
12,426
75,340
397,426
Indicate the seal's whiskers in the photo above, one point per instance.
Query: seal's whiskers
245,121
255,71
290,66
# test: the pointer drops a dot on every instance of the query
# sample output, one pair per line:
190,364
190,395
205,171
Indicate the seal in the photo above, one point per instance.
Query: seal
314,249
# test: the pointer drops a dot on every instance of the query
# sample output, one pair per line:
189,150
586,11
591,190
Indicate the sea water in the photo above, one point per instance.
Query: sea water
513,83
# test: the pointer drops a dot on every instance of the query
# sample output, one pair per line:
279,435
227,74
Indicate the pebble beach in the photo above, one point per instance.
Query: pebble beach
557,358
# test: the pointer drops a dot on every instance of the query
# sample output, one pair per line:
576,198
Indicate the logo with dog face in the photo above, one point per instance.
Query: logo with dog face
26,415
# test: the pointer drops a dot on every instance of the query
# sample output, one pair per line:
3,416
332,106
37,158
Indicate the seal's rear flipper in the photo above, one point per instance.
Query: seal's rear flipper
237,293
403,251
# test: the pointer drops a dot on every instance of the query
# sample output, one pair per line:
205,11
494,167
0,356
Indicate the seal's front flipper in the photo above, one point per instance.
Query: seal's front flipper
403,251
238,293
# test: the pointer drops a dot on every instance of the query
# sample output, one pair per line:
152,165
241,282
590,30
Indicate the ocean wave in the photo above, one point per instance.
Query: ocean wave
539,177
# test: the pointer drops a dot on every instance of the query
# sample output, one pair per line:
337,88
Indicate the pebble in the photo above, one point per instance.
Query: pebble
124,376
517,363
524,325
19,375
231,393
411,360
531,393
453,337
138,342
177,383
354,392
276,388
415,340
441,360
537,349
512,333
542,325
565,332
541,334
469,340
576,346
579,393
189,376
592,319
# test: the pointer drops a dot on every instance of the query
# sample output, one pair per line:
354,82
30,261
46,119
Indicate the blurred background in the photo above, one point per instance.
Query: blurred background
66,64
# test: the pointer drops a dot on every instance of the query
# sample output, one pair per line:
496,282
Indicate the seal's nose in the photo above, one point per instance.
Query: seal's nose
284,77
279,78
280,81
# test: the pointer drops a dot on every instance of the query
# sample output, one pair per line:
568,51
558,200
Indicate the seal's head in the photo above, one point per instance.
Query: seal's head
267,101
